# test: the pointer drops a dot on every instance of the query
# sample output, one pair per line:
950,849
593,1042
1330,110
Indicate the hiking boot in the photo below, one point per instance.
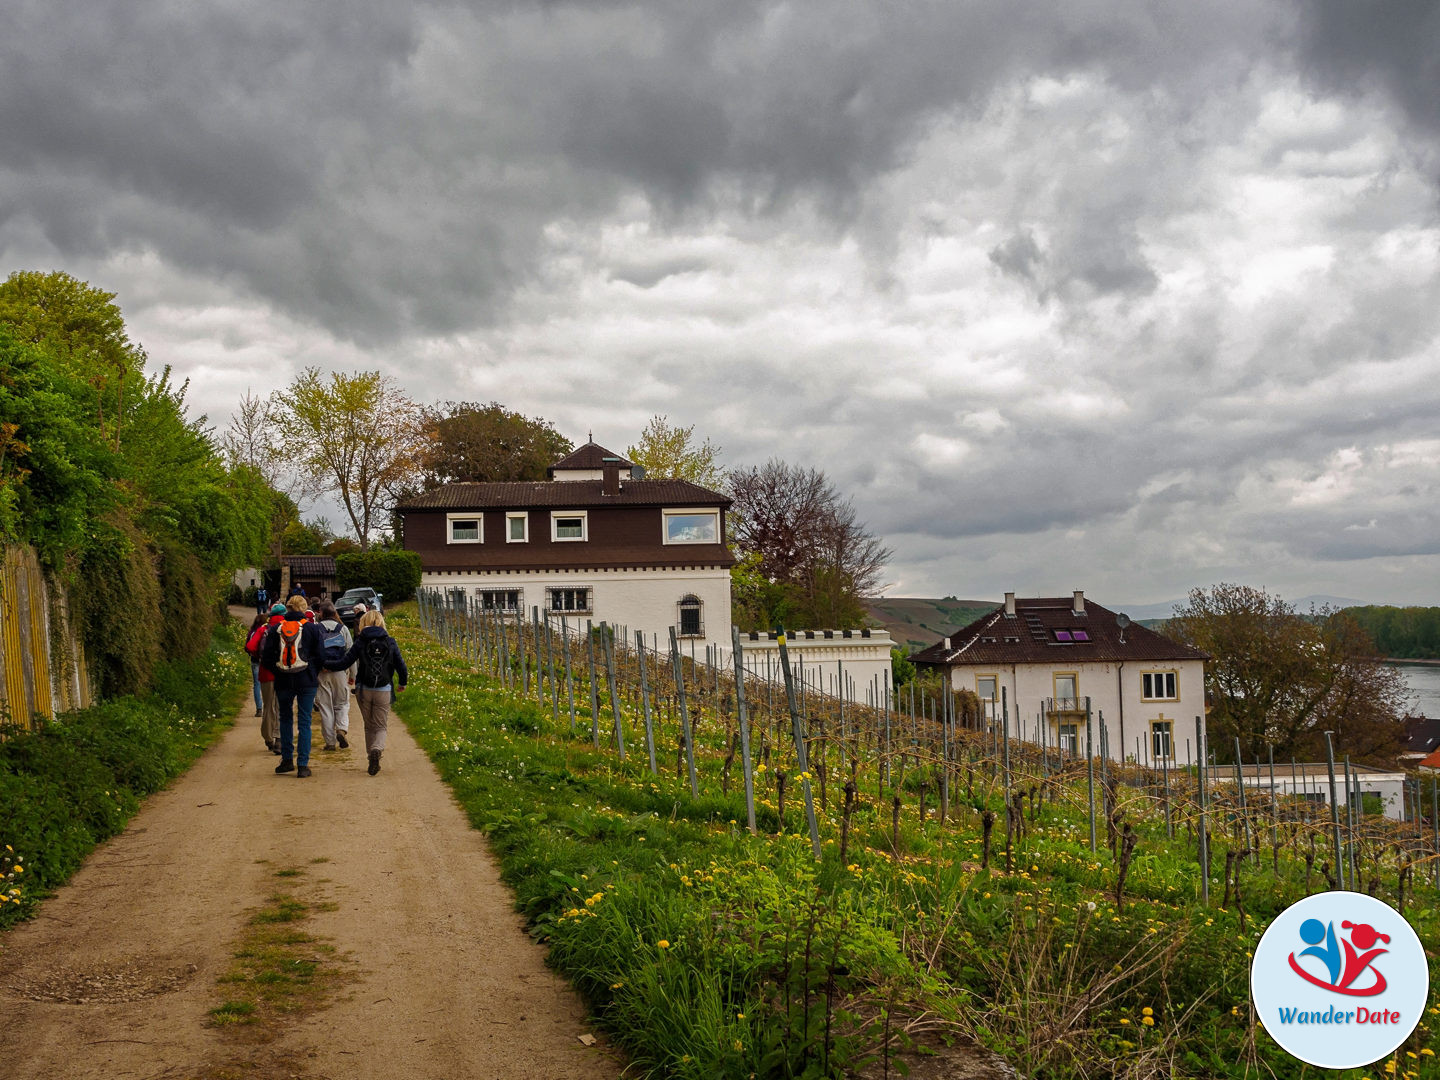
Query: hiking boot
374,762
302,772
340,738
286,765
275,747
259,713
331,747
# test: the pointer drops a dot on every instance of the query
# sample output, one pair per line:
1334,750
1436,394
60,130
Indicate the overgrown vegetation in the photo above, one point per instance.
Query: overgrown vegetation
708,952
75,780
126,498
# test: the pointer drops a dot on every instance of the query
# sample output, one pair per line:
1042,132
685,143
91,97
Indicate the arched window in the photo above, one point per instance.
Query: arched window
691,623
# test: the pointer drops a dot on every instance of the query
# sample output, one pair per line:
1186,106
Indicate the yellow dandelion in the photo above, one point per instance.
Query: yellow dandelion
662,944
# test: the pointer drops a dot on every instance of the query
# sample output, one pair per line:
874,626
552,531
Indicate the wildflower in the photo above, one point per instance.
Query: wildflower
1124,1020
739,1045
662,944
1148,1021
1147,1011
616,986
739,1016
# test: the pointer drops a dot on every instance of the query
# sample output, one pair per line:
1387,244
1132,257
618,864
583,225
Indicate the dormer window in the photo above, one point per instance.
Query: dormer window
464,528
692,526
517,528
569,525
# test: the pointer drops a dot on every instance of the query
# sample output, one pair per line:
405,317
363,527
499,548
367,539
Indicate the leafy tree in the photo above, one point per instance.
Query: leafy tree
1278,677
1404,633
470,442
809,542
84,330
395,575
356,436
669,452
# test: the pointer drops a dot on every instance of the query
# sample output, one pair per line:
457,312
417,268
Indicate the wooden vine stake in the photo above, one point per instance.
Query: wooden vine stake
684,712
798,732
743,716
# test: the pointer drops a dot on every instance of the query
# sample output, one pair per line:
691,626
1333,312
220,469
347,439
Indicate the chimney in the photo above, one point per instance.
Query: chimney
611,481
1010,605
1079,606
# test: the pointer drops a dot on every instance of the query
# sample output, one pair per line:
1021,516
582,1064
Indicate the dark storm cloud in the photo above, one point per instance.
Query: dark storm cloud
390,169
1360,45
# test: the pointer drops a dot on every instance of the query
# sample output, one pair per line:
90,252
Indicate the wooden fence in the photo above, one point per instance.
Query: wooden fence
42,664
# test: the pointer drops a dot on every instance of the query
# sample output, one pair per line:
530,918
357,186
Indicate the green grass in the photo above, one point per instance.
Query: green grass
707,952
77,779
279,969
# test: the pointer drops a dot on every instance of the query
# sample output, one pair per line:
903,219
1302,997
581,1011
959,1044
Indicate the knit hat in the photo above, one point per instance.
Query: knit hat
279,609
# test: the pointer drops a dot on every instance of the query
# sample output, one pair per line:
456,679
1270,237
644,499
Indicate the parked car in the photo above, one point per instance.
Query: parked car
345,605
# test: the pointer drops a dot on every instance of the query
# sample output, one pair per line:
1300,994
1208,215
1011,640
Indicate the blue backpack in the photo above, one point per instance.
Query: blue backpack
334,647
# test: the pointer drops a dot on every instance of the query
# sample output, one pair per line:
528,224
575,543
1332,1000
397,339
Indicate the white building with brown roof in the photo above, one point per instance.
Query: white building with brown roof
1046,657
596,541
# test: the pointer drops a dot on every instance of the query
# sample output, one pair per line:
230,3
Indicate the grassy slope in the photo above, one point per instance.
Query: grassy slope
707,952
916,623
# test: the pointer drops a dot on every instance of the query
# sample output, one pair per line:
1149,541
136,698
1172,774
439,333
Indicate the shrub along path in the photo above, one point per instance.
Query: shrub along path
379,939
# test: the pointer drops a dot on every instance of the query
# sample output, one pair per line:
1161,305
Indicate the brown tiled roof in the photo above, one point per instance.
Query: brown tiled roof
563,495
590,456
1028,637
1422,734
496,557
310,565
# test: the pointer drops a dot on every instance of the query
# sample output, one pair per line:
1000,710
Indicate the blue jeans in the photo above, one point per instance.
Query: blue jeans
295,705
255,686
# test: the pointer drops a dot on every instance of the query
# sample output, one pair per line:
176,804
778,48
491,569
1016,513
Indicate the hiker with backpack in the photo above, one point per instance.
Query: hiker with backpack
378,667
255,624
294,654
333,697
269,706
262,601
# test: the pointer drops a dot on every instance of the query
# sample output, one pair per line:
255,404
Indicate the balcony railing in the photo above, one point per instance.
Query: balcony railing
1064,705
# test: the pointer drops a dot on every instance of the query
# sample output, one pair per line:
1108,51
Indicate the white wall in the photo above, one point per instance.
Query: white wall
862,661
644,600
1389,786
1114,689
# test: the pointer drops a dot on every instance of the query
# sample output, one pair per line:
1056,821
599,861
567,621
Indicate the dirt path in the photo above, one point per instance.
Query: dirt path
116,976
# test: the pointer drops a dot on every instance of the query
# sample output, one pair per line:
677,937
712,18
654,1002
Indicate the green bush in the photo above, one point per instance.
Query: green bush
77,779
395,575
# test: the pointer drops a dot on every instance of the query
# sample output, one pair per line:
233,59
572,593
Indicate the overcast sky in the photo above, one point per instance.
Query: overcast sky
1122,296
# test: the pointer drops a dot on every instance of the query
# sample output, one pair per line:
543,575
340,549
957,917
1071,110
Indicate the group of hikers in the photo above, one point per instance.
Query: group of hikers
303,658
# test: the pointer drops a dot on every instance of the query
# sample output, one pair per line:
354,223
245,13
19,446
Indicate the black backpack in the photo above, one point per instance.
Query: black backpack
375,661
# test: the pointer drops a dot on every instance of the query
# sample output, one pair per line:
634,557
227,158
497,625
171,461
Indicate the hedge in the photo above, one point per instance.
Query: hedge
395,575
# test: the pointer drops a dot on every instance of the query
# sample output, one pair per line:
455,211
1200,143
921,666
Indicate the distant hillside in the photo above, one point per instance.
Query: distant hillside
916,623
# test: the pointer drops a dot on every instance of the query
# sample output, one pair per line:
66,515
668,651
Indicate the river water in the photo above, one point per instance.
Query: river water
1424,683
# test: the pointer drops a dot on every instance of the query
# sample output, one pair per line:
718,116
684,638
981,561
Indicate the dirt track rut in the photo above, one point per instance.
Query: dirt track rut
116,976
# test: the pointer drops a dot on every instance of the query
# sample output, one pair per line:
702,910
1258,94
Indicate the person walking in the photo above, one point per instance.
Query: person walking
252,650
332,699
269,705
294,653
262,600
380,674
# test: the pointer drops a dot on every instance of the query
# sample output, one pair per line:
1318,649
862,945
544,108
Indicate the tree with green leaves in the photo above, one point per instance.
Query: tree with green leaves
1279,678
356,436
468,442
670,452
84,330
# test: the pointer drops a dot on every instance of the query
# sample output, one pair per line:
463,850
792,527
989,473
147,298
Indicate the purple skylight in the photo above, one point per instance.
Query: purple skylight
1063,635
1081,635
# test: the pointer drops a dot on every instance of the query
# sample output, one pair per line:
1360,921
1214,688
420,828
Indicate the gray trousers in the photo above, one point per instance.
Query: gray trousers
332,702
375,708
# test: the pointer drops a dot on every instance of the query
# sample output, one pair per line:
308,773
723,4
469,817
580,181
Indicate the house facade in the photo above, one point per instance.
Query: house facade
596,541
1045,657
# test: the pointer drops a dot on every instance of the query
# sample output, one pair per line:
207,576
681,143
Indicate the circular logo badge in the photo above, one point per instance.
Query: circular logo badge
1339,980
